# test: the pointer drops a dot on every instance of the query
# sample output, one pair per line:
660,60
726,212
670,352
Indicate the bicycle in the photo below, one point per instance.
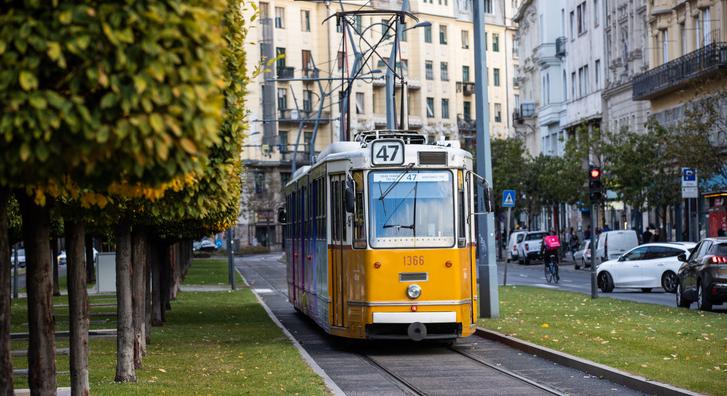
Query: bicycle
551,272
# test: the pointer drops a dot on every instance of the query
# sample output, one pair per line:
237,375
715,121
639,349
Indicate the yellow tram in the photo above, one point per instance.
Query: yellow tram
379,238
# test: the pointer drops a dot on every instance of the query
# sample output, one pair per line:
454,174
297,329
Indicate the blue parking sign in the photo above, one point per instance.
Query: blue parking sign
508,198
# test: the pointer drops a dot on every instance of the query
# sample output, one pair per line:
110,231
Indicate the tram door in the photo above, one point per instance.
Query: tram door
338,238
469,208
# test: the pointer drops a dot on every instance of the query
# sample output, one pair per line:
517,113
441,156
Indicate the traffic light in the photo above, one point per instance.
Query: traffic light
595,186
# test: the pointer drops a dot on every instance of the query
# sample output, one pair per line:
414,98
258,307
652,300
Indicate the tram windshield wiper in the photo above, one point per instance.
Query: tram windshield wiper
397,226
398,179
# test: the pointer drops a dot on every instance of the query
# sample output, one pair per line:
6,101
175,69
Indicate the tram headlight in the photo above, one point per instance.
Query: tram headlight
413,291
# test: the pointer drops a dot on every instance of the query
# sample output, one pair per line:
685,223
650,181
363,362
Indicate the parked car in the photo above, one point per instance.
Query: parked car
512,245
21,258
612,244
644,267
206,246
702,277
62,257
529,248
582,256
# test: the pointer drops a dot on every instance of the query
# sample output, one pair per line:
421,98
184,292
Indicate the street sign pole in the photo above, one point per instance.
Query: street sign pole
486,264
230,260
594,286
507,239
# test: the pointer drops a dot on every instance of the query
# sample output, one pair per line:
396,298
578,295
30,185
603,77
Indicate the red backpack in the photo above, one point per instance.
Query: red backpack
551,242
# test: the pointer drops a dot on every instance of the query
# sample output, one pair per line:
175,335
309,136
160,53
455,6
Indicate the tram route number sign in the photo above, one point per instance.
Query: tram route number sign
387,152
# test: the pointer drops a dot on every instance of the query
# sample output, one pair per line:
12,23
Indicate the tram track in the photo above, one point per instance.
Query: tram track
507,372
396,379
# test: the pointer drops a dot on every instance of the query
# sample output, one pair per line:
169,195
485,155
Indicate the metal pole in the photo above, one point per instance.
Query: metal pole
15,274
594,285
507,239
486,264
390,79
230,260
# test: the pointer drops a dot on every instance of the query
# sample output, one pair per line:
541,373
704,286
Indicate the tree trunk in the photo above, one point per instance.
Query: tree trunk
124,326
54,258
147,293
6,364
165,278
157,318
138,299
77,306
38,273
90,263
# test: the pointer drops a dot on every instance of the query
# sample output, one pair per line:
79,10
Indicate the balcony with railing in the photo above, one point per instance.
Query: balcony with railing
560,47
467,88
295,116
466,123
680,72
286,72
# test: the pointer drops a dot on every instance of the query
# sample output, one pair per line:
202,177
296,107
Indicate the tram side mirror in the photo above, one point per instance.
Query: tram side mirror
349,195
282,216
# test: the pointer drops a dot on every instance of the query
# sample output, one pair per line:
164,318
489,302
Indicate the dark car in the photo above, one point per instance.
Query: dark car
703,276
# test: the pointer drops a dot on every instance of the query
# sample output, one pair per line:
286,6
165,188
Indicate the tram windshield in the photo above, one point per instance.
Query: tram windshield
411,208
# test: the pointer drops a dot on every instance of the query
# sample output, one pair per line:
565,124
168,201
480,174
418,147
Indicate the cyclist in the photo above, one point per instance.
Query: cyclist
549,251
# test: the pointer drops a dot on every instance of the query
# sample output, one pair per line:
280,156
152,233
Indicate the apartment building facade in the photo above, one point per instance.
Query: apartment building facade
583,77
305,60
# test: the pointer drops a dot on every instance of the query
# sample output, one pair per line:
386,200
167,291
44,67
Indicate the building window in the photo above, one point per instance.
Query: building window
498,112
259,182
403,33
443,71
573,85
683,38
595,13
358,23
707,26
598,74
359,103
264,10
283,141
428,34
280,55
572,23
280,17
496,77
495,42
465,39
404,67
340,59
282,99
445,108
698,33
307,62
664,46
488,6
467,110
429,70
307,100
515,46
305,20
485,41
581,13
583,81
385,29
307,138
442,35
465,73
430,107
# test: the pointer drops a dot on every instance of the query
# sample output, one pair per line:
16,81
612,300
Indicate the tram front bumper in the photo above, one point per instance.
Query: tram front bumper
414,325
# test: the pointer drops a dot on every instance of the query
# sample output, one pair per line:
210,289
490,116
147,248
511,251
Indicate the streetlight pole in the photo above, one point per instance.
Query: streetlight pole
594,283
486,264
230,259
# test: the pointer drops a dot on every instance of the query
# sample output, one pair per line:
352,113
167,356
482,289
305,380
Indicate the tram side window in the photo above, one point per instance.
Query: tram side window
359,220
320,202
462,209
334,211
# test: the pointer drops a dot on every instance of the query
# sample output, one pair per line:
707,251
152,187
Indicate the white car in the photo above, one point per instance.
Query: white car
582,256
512,244
644,267
529,248
62,257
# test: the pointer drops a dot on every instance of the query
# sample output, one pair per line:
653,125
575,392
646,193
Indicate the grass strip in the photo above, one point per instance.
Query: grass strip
207,272
216,343
681,347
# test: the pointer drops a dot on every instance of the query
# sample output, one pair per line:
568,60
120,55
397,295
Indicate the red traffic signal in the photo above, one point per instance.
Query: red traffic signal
595,173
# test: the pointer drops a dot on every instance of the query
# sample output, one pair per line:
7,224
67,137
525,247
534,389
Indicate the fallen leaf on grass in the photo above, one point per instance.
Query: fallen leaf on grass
162,370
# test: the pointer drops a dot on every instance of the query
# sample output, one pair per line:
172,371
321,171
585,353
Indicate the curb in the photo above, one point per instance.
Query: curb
632,381
303,353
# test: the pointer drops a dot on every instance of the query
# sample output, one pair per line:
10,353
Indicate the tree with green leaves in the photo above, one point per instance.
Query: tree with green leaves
102,100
